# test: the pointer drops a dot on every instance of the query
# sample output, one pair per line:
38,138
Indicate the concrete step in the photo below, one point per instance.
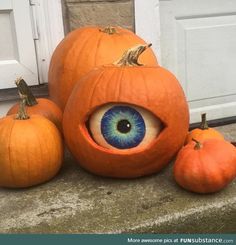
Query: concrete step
79,202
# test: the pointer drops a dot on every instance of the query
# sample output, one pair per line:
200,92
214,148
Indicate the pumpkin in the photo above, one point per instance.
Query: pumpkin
83,49
41,106
31,149
125,120
203,132
205,167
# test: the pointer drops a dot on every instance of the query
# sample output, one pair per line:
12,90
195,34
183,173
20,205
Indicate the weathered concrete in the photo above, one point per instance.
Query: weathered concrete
79,202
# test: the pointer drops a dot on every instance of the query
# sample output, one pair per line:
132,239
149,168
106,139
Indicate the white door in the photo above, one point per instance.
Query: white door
196,40
17,50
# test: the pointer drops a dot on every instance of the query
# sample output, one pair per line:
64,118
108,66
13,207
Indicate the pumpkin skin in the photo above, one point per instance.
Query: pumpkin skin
152,88
31,151
44,107
40,106
203,132
205,169
83,49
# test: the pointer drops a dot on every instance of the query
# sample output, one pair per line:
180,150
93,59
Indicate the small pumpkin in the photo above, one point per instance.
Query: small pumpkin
203,132
205,167
41,106
83,49
126,120
31,149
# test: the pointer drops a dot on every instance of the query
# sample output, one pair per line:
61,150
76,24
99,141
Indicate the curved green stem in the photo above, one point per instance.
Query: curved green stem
198,144
109,30
24,89
204,124
131,56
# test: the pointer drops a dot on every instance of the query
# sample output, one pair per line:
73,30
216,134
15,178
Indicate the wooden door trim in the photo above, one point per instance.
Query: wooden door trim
49,21
147,23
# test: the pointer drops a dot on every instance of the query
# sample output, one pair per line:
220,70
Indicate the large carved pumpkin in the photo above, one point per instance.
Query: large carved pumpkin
126,120
83,49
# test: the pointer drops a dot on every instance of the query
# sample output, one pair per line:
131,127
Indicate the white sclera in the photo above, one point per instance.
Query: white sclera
152,123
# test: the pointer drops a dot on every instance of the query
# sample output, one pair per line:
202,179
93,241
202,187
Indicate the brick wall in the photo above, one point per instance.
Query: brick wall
78,13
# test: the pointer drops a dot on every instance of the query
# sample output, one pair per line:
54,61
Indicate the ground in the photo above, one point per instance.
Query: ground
76,201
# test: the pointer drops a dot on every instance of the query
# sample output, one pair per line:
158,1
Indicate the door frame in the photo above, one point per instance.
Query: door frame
48,32
148,26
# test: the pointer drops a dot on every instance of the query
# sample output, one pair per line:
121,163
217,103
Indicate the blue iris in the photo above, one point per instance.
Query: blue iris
123,127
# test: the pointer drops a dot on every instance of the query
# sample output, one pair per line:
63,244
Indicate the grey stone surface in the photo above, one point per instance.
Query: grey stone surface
102,13
76,201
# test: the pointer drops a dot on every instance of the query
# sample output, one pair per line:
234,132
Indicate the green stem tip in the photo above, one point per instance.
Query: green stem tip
130,57
24,89
204,124
198,144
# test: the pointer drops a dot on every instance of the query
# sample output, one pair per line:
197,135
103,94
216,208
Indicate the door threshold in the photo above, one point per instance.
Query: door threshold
215,122
11,94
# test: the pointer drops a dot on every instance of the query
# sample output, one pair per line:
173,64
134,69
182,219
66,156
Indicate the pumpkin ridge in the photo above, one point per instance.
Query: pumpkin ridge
180,164
9,152
74,47
39,145
146,87
119,84
99,41
96,82
204,171
28,161
220,177
69,54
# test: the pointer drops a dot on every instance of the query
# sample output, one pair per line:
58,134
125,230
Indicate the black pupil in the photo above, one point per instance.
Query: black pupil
123,126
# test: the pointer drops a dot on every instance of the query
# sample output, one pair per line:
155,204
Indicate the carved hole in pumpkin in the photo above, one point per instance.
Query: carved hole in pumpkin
123,127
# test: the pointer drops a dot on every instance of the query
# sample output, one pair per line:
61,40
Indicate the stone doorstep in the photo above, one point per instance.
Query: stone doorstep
78,202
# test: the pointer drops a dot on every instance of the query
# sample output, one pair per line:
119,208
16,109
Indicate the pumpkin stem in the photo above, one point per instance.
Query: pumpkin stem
204,124
130,56
22,114
109,30
198,144
24,89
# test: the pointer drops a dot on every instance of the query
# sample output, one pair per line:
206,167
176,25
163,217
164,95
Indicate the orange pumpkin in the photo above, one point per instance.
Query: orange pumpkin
31,150
126,120
41,106
205,167
203,132
83,49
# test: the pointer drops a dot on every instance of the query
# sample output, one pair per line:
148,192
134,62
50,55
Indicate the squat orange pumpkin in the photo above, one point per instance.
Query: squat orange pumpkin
126,120
83,49
40,106
203,132
31,150
205,167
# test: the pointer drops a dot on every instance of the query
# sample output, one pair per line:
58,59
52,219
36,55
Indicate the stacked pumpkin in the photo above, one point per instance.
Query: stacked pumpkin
121,118
207,163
